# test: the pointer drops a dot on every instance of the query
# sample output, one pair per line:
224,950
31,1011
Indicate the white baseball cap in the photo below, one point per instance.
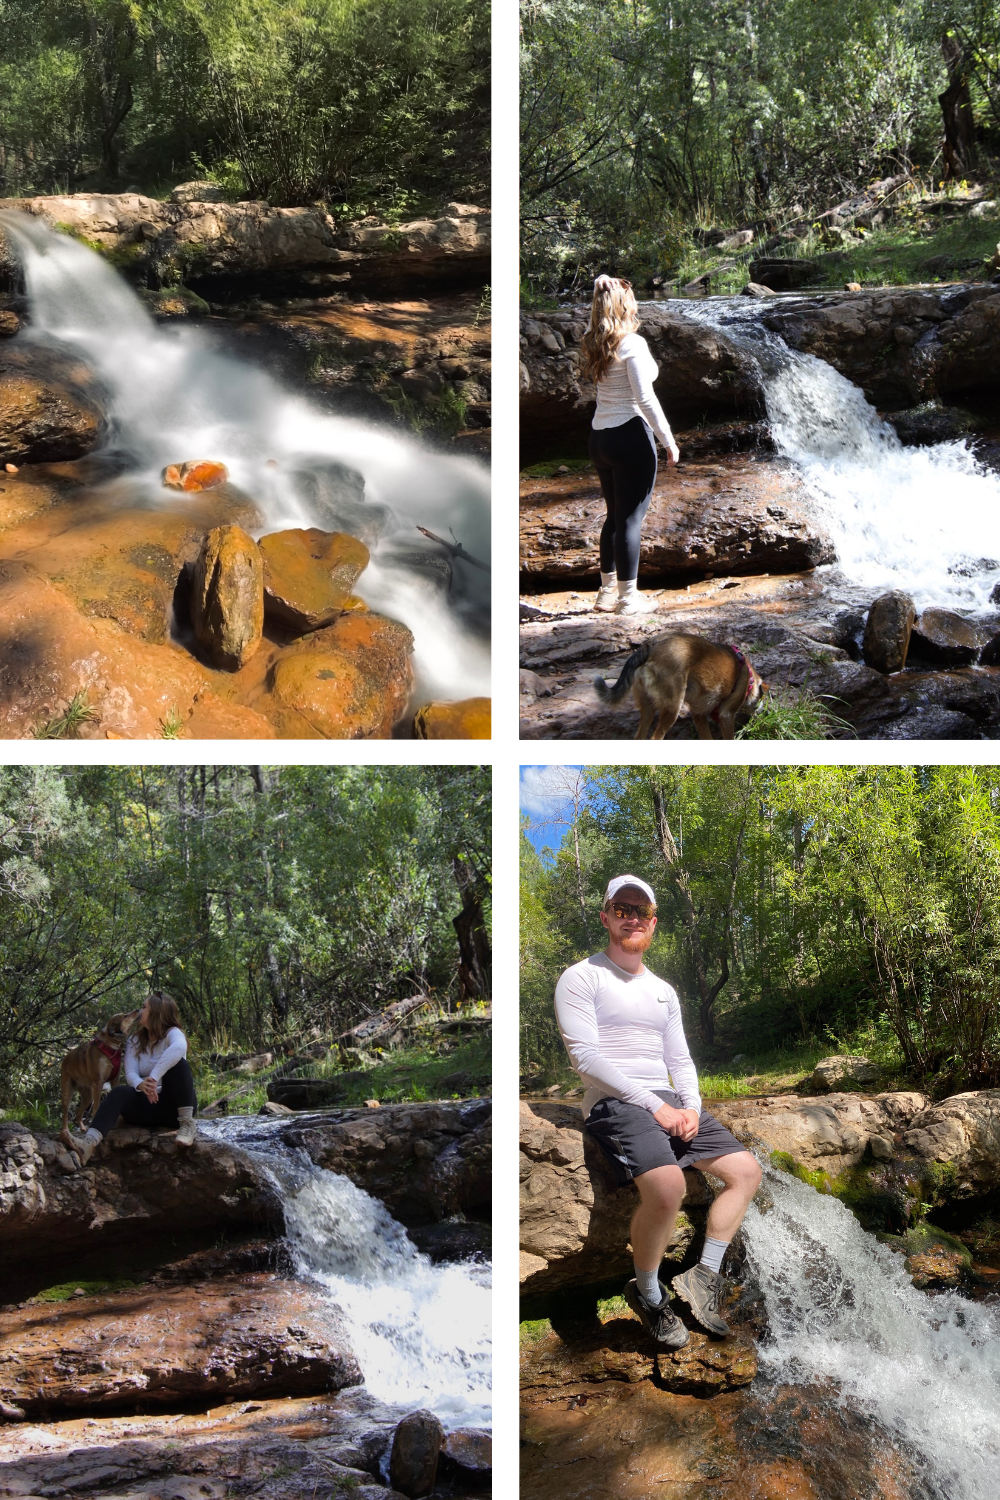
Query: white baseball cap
621,881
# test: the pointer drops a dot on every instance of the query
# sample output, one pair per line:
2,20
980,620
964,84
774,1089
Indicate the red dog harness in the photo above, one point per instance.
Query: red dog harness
114,1056
751,674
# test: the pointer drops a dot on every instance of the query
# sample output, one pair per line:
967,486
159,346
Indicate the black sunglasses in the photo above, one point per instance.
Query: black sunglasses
641,909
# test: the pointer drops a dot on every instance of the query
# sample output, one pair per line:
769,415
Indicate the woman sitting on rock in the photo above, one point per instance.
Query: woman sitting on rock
159,1086
622,447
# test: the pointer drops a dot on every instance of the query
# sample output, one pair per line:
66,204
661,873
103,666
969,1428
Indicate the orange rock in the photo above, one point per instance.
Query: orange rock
309,575
199,474
10,468
227,597
351,681
468,719
214,719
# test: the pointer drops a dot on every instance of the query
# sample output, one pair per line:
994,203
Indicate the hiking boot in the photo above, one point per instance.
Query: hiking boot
607,598
703,1291
83,1147
187,1132
664,1324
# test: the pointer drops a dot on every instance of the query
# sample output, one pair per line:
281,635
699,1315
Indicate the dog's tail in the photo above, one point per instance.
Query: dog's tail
616,692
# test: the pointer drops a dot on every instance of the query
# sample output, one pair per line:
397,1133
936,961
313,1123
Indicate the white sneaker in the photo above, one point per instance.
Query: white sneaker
634,604
187,1130
607,598
83,1147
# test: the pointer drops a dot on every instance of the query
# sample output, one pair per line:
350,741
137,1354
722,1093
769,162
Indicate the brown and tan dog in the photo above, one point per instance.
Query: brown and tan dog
90,1066
674,671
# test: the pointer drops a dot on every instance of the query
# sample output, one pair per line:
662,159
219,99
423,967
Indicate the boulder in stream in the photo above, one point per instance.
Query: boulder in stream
194,476
348,681
227,597
466,720
945,639
416,1447
619,1348
309,575
834,1072
887,632
44,419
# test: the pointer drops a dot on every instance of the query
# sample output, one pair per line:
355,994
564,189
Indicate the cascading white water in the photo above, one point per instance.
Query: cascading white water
420,1332
842,1309
926,520
171,396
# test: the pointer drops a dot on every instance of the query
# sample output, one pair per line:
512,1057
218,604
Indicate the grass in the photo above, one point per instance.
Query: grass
67,725
913,248
795,714
171,726
68,1289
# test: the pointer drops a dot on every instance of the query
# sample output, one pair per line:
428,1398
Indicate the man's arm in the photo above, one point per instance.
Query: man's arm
577,1018
680,1063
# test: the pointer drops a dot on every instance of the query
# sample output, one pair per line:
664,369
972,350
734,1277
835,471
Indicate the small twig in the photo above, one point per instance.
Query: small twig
454,549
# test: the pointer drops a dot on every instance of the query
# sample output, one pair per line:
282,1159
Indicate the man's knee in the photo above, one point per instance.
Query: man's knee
745,1171
663,1188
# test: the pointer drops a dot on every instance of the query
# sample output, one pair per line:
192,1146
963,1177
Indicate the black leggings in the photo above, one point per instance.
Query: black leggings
625,460
176,1091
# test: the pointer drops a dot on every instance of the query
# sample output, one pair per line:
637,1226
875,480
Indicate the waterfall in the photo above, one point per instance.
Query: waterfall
421,1333
925,520
842,1309
170,396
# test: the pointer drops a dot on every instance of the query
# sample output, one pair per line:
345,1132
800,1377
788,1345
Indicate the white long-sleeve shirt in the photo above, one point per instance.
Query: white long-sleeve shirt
158,1060
624,1035
627,391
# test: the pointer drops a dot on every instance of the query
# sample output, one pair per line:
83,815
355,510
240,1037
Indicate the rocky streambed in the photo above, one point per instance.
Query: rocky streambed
173,1324
742,543
825,1310
98,559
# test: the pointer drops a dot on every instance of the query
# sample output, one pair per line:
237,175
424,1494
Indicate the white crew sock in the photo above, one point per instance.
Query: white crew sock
94,1135
712,1253
185,1112
648,1283
608,580
628,588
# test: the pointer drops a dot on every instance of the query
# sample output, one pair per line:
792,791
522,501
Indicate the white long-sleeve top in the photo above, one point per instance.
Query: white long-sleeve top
159,1059
627,391
624,1035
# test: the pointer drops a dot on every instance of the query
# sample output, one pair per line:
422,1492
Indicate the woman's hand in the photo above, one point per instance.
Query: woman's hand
150,1088
673,455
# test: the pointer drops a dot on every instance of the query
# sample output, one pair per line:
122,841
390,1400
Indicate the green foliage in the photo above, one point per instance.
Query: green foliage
805,910
644,125
171,725
273,903
356,103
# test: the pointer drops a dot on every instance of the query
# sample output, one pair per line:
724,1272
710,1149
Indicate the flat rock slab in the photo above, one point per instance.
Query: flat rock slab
621,1349
235,1337
293,1448
732,517
798,631
309,576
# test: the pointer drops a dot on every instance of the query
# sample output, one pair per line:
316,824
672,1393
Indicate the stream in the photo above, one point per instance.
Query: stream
925,520
842,1311
420,1332
170,396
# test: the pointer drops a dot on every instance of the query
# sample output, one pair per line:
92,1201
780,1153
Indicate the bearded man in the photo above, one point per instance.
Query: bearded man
623,1031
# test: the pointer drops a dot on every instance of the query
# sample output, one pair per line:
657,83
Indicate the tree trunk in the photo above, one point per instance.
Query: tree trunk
475,958
959,147
707,993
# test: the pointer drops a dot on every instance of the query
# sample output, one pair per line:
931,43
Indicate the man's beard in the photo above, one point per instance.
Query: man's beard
637,943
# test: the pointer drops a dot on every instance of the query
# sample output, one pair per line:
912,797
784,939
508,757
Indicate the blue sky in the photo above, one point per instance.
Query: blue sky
546,798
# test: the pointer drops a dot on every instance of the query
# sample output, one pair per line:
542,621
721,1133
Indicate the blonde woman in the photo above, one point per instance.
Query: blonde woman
622,446
159,1085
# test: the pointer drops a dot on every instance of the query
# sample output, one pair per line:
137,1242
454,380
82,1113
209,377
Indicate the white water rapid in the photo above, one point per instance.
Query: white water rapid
420,1332
171,396
925,520
842,1309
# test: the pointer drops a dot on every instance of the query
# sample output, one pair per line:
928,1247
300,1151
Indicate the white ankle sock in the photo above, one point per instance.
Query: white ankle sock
712,1253
608,580
628,588
185,1112
94,1135
648,1283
